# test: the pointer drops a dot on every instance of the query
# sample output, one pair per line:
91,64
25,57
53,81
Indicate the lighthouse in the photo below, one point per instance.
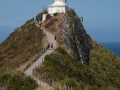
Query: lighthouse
58,6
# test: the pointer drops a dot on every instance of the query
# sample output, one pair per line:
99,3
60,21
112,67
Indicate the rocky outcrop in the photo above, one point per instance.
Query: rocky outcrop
76,38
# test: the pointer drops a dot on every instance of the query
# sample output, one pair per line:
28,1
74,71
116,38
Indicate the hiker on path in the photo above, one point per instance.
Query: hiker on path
55,37
51,45
48,46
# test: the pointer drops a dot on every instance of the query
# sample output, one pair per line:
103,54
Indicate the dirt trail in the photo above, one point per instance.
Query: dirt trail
50,39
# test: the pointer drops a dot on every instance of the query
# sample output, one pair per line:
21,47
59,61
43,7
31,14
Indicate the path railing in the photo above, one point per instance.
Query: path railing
37,56
52,83
37,61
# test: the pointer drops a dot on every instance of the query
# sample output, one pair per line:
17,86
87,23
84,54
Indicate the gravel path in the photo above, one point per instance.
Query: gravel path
50,39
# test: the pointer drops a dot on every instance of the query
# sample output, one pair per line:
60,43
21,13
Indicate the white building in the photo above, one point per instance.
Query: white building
59,6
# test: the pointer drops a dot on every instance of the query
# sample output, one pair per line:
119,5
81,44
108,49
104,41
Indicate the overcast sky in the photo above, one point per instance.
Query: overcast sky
101,17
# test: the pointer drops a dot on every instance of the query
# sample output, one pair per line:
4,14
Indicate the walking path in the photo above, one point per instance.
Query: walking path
50,39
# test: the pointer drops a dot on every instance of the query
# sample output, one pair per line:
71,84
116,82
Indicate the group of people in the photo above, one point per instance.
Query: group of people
50,45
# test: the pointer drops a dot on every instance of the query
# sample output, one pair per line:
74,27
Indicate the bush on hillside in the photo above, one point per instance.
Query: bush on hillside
22,45
48,17
30,26
51,22
61,50
17,81
71,12
39,16
55,14
45,12
99,74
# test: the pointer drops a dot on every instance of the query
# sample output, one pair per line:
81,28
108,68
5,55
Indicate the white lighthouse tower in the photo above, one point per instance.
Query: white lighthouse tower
59,6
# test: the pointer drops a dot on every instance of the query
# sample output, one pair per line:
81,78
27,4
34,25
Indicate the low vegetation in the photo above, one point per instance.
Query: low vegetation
25,42
20,46
55,14
71,12
51,22
16,81
48,17
39,16
18,49
102,73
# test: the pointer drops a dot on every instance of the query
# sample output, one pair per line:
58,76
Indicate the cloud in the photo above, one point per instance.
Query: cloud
9,24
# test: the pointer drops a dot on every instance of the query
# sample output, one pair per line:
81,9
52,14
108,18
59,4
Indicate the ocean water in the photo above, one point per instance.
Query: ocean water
113,46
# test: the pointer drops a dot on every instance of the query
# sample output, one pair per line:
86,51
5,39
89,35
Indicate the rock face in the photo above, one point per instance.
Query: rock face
76,38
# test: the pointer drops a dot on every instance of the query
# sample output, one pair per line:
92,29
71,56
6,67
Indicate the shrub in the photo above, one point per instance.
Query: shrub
55,14
51,22
61,50
98,75
44,12
30,26
71,12
48,17
28,37
17,81
39,16
70,82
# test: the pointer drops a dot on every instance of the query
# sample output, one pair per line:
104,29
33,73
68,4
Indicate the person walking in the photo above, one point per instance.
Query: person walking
51,45
55,37
48,46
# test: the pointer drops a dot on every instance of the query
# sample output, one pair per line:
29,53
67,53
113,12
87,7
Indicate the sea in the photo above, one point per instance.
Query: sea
112,46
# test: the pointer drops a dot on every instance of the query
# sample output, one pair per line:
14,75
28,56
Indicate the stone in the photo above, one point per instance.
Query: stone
76,38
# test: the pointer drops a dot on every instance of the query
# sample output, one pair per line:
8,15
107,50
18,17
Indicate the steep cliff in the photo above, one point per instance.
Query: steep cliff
62,66
101,74
98,73
69,30
76,38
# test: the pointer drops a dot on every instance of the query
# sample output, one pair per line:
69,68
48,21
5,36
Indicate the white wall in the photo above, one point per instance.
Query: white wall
44,17
58,9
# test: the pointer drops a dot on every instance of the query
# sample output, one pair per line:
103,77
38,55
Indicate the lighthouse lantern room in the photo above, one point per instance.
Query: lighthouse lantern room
59,6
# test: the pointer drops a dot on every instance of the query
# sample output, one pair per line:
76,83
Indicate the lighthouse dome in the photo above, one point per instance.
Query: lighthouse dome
58,6
59,2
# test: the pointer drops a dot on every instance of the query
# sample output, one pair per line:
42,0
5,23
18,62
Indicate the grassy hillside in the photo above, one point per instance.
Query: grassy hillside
16,81
102,73
20,46
25,42
17,50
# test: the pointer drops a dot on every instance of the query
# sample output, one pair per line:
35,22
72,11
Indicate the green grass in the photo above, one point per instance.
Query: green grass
20,47
102,73
17,49
17,81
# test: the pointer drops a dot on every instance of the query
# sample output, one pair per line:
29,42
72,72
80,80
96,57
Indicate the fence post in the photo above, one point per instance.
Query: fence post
68,88
49,81
53,84
48,52
45,79
65,87
43,50
42,60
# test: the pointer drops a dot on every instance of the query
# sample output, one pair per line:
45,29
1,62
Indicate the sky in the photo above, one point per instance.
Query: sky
101,17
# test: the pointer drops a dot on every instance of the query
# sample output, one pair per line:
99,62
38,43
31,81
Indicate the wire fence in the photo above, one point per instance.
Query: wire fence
52,84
